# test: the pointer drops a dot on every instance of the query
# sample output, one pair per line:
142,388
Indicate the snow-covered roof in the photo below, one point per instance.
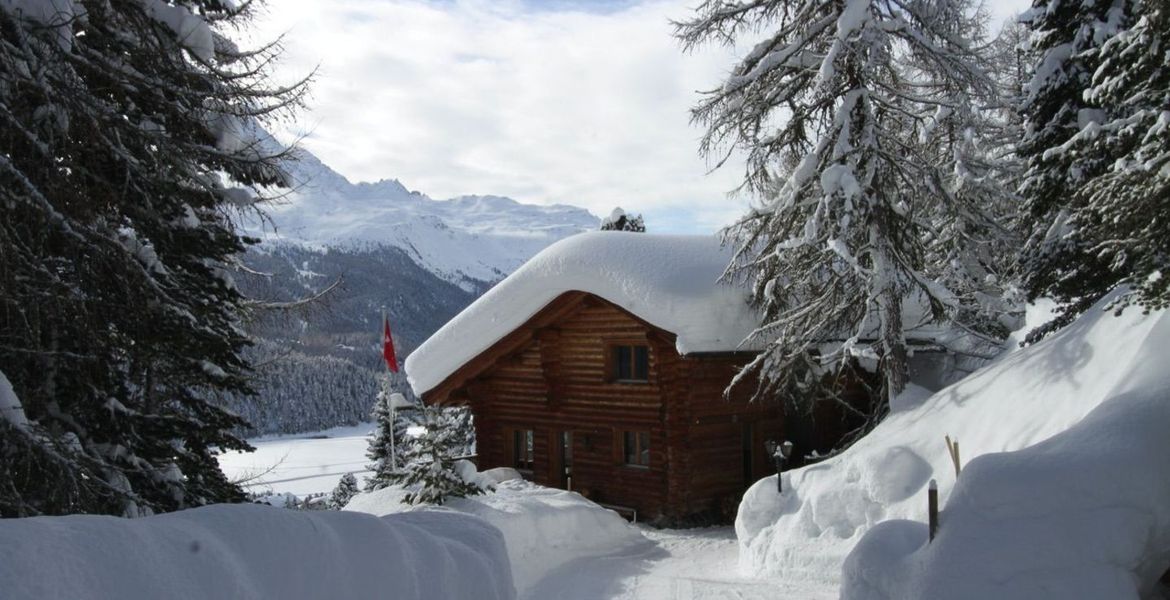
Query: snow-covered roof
669,281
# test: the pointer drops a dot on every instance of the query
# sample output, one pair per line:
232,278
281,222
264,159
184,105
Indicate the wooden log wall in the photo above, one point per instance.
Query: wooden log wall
558,377
560,381
722,431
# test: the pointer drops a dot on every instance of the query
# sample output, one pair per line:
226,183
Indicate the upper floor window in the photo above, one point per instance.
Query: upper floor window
631,363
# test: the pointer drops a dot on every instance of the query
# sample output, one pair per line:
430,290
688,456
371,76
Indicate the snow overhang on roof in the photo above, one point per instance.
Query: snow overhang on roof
669,281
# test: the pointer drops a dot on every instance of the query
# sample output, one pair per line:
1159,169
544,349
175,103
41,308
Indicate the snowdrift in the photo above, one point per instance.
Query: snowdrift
1026,397
251,551
1082,515
543,528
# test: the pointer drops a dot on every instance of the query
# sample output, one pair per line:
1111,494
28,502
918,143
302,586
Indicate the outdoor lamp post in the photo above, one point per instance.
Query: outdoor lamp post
780,453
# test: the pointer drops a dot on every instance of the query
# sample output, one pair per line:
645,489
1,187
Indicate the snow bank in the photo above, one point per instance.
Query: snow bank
543,528
1084,514
1024,398
248,551
667,280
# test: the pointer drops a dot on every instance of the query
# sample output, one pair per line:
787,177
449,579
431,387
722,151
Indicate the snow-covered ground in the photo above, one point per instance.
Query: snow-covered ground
673,564
1028,398
303,463
253,552
564,546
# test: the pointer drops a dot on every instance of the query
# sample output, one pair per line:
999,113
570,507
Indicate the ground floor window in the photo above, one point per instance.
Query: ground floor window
523,449
636,445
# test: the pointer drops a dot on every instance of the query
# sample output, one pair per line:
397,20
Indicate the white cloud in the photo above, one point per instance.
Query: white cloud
545,106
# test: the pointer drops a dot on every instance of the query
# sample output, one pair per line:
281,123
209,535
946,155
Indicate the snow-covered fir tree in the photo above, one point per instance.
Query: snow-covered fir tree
429,474
125,148
859,120
1098,149
390,444
618,220
347,488
297,392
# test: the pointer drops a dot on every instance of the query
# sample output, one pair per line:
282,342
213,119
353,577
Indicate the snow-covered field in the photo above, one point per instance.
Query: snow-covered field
303,463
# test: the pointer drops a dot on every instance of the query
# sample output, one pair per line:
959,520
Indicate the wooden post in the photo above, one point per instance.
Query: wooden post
953,449
932,508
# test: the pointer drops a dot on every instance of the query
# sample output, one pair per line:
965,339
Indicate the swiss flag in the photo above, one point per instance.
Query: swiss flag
388,346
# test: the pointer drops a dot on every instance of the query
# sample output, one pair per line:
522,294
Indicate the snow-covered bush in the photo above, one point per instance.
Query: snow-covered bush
430,475
618,220
346,489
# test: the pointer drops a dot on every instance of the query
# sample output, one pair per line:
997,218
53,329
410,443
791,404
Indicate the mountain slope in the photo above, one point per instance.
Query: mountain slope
467,240
420,260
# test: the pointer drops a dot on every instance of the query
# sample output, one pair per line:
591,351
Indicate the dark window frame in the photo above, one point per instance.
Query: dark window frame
628,362
524,450
640,455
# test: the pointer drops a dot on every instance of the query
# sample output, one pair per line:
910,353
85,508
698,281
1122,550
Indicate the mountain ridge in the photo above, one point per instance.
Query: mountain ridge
468,240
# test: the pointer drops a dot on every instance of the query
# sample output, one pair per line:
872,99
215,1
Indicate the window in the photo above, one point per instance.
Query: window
523,449
631,363
636,448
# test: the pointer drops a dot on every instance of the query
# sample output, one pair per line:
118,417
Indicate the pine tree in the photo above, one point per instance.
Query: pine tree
126,145
346,489
618,220
389,446
860,124
430,474
1097,147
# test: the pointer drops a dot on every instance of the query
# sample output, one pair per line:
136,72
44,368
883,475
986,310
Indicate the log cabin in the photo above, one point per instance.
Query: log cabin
600,366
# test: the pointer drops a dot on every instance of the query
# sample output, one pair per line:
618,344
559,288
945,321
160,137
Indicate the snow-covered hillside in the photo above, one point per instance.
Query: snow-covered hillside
480,238
1025,398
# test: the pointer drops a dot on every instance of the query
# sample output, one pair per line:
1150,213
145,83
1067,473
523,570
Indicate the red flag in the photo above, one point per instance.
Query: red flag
388,346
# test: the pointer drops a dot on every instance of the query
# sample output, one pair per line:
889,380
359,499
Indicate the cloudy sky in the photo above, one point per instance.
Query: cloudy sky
580,102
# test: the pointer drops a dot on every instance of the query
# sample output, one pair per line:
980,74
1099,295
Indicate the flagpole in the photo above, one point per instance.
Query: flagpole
390,401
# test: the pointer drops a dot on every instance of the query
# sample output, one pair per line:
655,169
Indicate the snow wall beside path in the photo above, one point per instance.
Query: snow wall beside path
251,551
1082,515
1025,397
544,528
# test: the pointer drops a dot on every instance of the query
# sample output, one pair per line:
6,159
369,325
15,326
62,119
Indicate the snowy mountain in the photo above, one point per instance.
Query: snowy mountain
468,240
420,260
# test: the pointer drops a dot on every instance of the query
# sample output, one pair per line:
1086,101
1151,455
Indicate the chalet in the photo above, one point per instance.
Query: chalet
600,365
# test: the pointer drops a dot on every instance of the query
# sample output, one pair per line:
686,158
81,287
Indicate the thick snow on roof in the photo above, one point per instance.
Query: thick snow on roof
669,281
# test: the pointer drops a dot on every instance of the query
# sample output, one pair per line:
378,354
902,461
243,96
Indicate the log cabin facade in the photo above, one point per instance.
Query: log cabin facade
586,396
600,366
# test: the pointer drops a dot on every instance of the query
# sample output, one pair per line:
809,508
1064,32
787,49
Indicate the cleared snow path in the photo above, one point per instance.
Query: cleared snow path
675,564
